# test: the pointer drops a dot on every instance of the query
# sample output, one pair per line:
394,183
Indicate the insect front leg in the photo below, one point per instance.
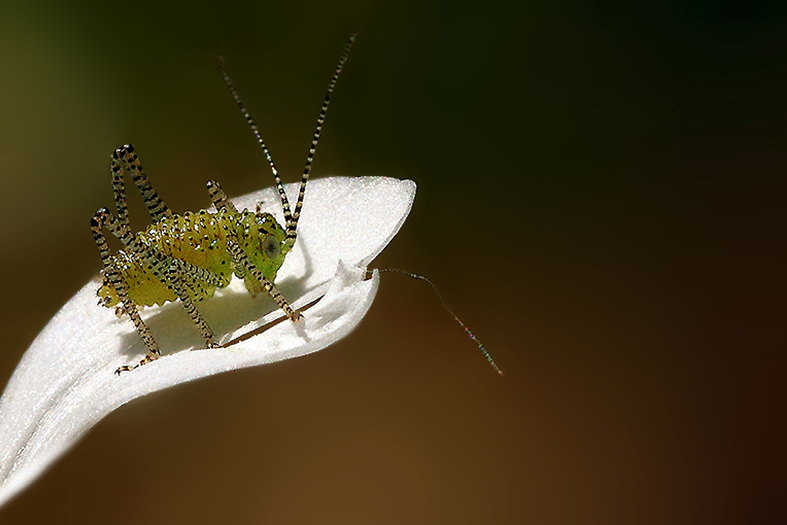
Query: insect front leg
240,259
103,219
220,200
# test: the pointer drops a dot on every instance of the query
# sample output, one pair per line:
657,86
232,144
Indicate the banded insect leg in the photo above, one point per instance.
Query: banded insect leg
173,273
178,269
103,219
241,260
125,160
220,200
169,271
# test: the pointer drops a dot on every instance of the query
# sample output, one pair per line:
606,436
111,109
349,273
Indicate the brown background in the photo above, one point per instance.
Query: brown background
601,198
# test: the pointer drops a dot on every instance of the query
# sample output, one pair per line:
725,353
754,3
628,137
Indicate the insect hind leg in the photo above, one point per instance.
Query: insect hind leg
219,198
103,219
125,160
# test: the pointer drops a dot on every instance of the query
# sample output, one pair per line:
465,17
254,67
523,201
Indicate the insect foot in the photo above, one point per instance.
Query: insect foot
127,368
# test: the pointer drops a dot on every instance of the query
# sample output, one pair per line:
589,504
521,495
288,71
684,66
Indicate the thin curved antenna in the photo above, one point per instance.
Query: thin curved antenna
285,204
293,225
469,333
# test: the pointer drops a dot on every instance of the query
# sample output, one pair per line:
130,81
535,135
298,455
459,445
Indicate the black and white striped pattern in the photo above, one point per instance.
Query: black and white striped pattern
125,160
285,203
293,224
97,224
291,218
219,198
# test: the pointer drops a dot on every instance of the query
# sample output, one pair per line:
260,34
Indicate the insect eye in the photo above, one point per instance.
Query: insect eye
271,246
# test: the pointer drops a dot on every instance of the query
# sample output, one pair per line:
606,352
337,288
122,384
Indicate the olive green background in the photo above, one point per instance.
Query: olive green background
600,197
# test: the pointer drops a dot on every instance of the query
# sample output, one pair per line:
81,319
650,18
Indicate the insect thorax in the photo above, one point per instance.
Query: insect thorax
200,239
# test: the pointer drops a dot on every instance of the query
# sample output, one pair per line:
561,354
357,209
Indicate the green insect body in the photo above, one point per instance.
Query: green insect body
187,257
200,239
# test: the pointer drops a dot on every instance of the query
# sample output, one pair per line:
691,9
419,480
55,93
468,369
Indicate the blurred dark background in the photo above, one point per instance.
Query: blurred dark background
600,197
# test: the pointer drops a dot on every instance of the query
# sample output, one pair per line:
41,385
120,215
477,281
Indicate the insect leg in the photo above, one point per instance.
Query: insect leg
200,273
240,259
100,220
174,274
169,271
219,198
125,159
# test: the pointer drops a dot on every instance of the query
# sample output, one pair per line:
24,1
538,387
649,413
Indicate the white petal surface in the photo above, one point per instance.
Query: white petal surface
65,382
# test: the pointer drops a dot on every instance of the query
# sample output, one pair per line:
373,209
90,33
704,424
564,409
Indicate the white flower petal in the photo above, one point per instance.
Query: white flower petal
65,382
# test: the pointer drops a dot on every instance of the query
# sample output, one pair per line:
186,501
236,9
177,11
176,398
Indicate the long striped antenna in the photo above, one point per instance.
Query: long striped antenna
470,334
293,225
285,204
